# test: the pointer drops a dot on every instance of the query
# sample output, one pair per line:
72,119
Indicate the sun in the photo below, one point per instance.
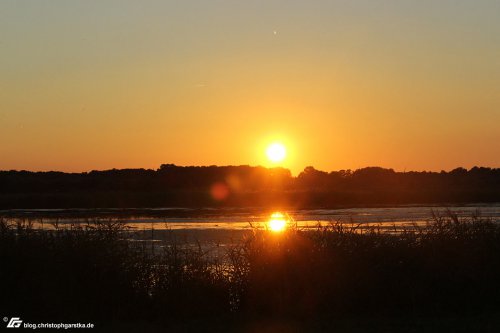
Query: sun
276,152
277,222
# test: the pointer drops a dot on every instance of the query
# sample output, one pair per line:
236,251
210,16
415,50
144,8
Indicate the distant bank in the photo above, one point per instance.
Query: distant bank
245,186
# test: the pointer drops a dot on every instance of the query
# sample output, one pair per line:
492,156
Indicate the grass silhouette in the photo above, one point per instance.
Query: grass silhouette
91,272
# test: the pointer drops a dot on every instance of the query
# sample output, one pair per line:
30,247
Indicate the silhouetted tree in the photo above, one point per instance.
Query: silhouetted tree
173,185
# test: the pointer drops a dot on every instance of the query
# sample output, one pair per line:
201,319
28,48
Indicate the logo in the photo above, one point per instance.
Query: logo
14,322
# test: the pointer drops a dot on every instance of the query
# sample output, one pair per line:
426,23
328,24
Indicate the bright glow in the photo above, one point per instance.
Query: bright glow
277,223
276,152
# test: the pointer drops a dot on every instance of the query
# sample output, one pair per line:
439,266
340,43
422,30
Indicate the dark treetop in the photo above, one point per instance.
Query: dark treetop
244,186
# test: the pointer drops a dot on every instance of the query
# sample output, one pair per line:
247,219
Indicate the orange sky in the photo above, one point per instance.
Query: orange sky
90,85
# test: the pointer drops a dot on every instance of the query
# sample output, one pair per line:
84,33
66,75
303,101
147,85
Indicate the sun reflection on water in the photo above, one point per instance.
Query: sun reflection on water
277,222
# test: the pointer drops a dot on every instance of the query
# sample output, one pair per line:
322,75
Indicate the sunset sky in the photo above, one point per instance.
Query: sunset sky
409,85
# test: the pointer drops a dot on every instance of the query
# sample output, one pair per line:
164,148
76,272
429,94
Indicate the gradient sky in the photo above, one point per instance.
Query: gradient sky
90,84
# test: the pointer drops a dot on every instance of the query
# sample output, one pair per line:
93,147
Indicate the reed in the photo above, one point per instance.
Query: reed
91,271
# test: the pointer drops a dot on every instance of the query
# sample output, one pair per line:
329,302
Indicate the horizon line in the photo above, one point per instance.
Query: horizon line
245,165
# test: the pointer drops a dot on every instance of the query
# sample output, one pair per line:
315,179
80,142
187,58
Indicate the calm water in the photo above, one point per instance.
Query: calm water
217,228
241,219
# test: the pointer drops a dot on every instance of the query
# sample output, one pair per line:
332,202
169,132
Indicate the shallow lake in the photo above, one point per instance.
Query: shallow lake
227,226
227,218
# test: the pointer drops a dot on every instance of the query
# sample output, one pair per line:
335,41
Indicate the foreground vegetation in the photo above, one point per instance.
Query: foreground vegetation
319,278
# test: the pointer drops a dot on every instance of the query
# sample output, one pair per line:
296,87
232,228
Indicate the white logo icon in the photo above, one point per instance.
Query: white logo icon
14,322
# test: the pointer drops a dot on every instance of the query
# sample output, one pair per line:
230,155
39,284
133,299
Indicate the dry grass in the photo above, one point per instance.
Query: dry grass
450,267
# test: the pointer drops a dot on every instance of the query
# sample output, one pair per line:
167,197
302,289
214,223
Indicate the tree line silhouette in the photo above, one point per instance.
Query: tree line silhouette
245,186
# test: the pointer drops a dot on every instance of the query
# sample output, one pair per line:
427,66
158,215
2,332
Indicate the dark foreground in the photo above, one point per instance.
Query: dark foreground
443,277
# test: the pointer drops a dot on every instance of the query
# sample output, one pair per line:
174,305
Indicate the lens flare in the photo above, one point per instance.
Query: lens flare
219,191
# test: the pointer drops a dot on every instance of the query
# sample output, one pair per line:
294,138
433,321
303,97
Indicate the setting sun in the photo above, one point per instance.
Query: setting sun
276,152
277,223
